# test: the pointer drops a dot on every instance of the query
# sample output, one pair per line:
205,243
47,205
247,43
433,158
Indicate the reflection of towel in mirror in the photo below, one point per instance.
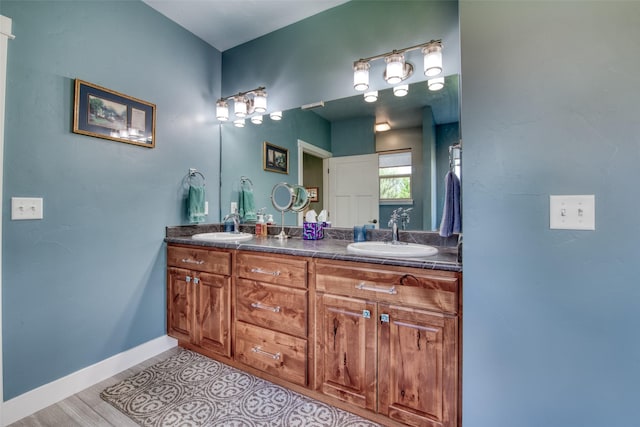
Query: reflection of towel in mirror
451,220
195,204
246,205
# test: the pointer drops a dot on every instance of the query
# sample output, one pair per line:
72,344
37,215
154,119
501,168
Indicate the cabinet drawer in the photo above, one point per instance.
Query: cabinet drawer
431,290
274,307
208,260
272,352
273,269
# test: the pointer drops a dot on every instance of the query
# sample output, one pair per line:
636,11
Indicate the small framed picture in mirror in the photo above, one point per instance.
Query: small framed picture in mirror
313,193
275,159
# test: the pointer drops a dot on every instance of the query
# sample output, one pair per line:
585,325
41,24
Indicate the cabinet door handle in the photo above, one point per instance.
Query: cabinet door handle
261,271
187,279
364,287
274,356
259,305
196,280
192,261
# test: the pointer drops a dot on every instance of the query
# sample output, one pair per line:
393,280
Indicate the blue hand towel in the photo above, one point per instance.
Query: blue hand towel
247,206
195,204
451,214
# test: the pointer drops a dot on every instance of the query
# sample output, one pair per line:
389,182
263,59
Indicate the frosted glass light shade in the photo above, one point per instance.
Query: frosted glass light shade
401,90
432,59
395,68
256,120
361,75
222,110
436,83
240,106
276,115
239,123
260,102
371,96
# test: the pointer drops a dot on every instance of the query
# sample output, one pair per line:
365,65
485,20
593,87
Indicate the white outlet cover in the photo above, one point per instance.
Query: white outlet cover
26,208
572,212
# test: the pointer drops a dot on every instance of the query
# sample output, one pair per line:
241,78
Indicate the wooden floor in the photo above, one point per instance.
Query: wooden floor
87,408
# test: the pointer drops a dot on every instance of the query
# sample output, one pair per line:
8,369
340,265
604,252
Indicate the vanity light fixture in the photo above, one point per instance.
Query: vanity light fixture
371,96
276,115
382,127
244,104
257,119
239,123
401,90
397,68
435,84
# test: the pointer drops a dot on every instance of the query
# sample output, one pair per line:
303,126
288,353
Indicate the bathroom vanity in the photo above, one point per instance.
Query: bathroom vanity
378,337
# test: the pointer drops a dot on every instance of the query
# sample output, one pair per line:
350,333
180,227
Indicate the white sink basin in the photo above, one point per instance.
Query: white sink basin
388,250
223,236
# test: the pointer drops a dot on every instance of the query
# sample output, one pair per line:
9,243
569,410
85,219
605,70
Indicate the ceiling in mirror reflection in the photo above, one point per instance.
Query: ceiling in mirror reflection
400,112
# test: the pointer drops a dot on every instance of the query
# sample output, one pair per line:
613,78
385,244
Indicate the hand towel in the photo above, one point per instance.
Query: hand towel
195,204
246,206
451,214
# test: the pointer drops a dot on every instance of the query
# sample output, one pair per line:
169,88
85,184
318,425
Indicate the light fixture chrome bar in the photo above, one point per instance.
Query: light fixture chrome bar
397,51
249,92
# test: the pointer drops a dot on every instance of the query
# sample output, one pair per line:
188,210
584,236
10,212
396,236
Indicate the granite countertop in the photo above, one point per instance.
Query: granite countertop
333,246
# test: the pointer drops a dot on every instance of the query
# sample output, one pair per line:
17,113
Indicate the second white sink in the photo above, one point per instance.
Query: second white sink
223,236
388,250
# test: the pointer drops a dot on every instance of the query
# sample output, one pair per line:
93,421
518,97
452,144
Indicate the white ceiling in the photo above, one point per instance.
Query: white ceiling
228,23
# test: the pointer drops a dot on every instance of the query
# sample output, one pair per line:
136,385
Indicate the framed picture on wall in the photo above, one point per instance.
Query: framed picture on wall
104,113
275,159
313,193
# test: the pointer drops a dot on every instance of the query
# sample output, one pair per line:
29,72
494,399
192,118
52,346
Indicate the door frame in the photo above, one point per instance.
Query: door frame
5,36
305,147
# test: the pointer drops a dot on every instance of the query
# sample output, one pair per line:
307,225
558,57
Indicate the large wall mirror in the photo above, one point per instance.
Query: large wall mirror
423,123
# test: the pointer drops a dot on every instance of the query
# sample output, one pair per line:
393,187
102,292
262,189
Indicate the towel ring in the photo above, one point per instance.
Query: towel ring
194,172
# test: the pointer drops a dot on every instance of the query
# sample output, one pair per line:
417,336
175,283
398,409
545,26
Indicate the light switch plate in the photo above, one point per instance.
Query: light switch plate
572,212
26,208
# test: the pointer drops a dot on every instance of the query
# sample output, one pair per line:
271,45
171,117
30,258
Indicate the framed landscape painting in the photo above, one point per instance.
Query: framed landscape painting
275,159
104,113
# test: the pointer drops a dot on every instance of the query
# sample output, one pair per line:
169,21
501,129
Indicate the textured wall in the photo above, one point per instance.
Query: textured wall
549,106
88,280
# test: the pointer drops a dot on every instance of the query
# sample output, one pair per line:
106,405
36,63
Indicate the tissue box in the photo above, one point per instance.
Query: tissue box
312,231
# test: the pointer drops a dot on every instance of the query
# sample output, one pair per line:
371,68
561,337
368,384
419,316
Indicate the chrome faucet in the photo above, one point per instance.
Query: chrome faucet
236,221
401,215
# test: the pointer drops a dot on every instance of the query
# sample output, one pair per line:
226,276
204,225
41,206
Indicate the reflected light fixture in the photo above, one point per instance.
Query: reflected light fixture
239,123
371,96
276,115
397,68
244,104
401,90
435,84
257,119
382,127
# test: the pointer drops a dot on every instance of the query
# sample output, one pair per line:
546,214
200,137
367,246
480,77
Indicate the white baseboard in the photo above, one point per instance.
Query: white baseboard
55,391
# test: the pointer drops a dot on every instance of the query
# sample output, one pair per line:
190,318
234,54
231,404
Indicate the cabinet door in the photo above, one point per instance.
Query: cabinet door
417,366
213,316
180,297
346,349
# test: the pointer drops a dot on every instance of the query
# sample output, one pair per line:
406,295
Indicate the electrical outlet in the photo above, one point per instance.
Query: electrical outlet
572,212
26,208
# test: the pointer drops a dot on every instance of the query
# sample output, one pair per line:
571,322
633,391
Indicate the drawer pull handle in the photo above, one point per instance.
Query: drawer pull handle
192,261
274,356
275,309
364,287
261,271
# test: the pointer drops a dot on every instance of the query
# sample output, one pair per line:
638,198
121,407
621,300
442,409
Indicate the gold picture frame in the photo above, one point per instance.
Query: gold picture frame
105,113
275,159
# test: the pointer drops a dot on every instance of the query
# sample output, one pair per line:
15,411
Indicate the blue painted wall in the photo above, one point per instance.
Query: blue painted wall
88,280
351,137
550,106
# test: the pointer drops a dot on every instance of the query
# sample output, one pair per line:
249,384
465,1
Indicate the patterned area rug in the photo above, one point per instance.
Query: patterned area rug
188,389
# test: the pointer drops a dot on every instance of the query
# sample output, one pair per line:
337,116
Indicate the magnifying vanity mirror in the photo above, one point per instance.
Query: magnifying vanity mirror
288,197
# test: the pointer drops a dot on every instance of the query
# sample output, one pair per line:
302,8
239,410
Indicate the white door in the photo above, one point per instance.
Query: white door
353,190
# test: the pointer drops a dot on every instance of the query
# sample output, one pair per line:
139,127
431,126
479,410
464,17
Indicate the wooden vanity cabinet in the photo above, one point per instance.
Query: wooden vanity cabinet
387,340
199,299
271,315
